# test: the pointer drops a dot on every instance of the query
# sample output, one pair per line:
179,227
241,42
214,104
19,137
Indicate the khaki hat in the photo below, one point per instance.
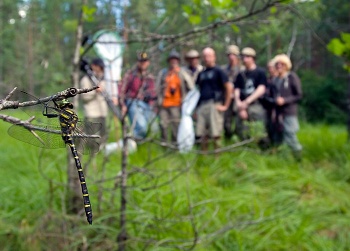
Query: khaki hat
272,62
232,49
284,59
143,56
192,54
247,51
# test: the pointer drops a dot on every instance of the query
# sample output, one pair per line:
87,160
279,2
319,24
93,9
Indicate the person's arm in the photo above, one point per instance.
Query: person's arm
159,89
124,88
188,80
237,93
152,87
239,83
259,92
295,83
228,92
85,82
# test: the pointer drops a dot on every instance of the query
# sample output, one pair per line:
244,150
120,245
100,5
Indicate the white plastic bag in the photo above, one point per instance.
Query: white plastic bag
117,146
186,135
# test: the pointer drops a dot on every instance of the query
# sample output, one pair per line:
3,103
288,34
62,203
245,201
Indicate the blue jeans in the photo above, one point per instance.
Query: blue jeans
140,115
291,126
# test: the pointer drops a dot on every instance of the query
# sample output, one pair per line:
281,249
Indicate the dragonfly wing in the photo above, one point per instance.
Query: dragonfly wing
86,145
38,138
89,127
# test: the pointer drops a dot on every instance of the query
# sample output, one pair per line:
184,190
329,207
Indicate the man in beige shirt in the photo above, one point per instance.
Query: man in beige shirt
95,106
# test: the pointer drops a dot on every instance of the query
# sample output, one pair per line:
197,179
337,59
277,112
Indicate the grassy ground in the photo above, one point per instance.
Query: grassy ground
241,200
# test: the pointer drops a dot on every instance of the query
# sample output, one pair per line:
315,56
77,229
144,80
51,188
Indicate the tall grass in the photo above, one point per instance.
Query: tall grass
241,200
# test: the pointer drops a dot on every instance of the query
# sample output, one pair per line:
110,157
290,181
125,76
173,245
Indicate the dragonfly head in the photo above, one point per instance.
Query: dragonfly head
64,103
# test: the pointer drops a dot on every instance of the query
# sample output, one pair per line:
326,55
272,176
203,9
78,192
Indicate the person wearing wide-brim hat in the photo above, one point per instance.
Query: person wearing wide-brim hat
289,90
250,86
172,86
193,67
232,68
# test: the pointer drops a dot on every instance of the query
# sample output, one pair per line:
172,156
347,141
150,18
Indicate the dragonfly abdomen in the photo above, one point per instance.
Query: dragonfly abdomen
87,206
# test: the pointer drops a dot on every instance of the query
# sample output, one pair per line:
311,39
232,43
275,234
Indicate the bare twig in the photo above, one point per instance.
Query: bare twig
293,40
153,37
68,93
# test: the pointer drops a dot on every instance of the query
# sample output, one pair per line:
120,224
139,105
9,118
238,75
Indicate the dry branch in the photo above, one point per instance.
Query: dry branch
68,93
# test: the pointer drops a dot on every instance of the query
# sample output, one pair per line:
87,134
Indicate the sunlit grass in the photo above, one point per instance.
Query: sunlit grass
242,200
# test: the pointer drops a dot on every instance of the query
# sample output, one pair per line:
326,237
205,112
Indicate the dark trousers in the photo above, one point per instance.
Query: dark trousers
228,120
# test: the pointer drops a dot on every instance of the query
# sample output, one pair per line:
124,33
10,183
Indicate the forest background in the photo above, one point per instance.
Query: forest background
242,210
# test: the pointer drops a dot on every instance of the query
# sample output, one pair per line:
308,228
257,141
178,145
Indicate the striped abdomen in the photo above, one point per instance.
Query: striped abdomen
87,206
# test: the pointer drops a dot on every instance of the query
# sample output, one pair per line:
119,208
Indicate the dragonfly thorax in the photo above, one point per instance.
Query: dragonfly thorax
68,120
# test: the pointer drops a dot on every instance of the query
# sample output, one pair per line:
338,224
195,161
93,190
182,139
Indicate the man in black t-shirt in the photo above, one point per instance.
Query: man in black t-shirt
215,96
250,86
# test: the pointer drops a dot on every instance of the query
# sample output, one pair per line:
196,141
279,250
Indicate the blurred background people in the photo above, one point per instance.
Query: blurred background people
215,97
232,68
250,87
289,91
95,106
138,94
173,83
193,67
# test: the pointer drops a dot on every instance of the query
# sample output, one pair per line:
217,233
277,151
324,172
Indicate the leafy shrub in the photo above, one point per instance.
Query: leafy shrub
324,98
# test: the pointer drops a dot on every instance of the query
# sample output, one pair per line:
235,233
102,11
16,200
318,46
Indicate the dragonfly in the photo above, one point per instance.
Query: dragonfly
66,130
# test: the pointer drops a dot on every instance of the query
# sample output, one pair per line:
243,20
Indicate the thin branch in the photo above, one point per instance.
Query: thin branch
307,23
68,93
252,6
152,37
216,151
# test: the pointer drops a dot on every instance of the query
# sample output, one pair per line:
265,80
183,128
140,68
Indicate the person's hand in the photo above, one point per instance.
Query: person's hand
221,108
115,101
243,105
243,114
280,101
124,110
99,89
239,105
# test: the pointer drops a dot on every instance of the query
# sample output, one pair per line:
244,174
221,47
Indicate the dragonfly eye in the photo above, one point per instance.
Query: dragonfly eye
65,104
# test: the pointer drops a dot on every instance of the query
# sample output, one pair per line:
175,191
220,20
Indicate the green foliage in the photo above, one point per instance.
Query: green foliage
341,48
218,9
324,98
88,13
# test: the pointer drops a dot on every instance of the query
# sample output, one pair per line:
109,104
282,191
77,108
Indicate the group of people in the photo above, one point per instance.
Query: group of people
230,96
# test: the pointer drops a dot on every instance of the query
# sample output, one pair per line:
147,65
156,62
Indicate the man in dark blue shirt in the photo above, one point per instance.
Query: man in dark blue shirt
215,97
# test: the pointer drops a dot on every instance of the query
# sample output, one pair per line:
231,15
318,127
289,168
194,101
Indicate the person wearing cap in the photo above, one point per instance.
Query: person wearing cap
95,106
250,87
232,68
215,97
172,86
289,91
194,67
138,95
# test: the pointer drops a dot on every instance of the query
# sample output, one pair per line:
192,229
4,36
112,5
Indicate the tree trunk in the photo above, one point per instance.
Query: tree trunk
74,190
30,60
348,106
123,236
